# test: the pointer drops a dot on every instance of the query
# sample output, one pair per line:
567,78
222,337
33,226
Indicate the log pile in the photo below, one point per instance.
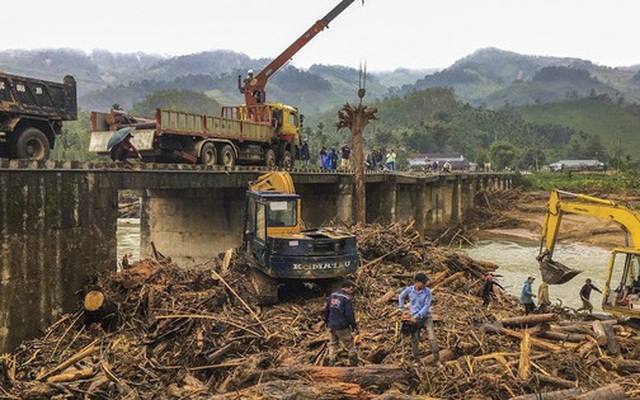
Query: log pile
198,334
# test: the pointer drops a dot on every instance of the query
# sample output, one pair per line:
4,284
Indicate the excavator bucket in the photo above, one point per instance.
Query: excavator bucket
555,273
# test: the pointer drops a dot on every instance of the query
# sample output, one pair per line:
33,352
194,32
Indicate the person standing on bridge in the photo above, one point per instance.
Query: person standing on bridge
341,321
390,162
305,154
585,293
345,154
122,150
322,157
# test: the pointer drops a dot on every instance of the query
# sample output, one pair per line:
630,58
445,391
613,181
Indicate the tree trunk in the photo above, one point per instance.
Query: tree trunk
533,319
558,395
381,376
298,389
610,392
358,155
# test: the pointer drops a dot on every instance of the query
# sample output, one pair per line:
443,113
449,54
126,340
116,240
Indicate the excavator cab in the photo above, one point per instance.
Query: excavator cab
621,293
277,248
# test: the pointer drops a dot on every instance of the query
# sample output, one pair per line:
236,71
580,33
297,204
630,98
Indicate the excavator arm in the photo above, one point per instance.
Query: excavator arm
254,90
629,220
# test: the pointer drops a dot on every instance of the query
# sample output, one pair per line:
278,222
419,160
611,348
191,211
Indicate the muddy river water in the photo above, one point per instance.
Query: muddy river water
515,256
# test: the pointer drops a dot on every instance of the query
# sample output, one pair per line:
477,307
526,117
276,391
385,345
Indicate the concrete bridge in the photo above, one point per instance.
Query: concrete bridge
58,221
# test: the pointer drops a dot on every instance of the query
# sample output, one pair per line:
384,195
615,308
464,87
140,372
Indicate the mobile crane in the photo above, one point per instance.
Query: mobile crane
253,133
279,250
623,271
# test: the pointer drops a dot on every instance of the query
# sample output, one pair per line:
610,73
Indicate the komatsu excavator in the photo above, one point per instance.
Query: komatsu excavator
621,293
278,249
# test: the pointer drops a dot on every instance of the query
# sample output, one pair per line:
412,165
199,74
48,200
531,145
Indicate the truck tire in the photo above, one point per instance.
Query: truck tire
208,154
286,158
270,158
31,144
227,156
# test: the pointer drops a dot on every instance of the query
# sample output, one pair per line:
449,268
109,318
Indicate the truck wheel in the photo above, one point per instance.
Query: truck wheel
286,160
208,154
227,156
270,158
32,144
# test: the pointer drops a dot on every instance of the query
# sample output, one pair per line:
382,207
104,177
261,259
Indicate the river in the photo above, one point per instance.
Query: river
516,258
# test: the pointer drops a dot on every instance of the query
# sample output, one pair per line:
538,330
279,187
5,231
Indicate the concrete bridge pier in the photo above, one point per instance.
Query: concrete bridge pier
191,226
56,232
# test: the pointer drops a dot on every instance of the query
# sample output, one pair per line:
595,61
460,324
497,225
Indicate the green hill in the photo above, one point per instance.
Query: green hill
614,125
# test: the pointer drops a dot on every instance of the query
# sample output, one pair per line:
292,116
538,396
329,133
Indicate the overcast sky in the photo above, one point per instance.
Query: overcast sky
386,33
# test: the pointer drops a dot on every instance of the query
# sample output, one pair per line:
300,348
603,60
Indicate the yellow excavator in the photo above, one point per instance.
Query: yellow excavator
621,293
279,250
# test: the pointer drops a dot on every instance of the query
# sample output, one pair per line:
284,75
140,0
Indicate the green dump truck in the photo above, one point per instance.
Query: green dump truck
31,114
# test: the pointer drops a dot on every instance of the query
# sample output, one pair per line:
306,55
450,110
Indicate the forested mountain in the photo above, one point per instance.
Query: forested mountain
531,107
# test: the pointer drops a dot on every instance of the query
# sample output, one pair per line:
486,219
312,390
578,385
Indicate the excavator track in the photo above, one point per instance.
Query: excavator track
265,287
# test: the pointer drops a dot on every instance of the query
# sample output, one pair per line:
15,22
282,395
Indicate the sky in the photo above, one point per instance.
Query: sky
384,34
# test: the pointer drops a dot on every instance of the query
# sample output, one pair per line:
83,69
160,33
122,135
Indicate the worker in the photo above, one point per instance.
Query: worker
585,294
247,79
122,150
305,154
543,297
446,167
341,321
345,154
419,312
390,161
322,157
487,290
526,297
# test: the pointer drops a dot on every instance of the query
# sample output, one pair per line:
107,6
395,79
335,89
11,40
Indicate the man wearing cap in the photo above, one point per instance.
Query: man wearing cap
526,297
341,321
419,296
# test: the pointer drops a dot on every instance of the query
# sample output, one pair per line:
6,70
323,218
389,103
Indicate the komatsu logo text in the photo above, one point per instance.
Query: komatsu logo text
320,266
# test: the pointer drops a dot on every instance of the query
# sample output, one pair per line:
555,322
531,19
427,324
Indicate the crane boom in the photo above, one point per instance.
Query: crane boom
254,89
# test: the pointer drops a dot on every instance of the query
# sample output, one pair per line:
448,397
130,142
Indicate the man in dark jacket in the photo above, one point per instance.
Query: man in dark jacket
487,290
305,154
585,294
341,321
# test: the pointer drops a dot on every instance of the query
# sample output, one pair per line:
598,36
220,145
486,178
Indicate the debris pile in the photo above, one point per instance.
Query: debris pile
198,334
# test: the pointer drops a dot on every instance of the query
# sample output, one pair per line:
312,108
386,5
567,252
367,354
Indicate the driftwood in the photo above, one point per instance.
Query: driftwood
381,376
558,395
298,389
601,334
533,319
610,392
553,380
629,366
536,342
563,336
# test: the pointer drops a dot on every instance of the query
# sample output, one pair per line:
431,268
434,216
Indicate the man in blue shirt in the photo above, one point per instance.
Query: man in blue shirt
526,297
419,296
341,321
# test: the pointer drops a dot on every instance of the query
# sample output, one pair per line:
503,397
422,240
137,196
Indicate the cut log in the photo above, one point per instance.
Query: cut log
70,376
524,369
298,389
564,337
613,347
601,334
536,342
98,309
533,319
446,282
585,349
390,295
610,392
381,376
552,380
400,396
558,395
629,366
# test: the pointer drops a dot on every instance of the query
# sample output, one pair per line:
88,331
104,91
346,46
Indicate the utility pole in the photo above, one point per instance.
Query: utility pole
356,118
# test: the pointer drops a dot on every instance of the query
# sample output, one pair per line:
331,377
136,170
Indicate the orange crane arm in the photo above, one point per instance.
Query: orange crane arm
254,91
